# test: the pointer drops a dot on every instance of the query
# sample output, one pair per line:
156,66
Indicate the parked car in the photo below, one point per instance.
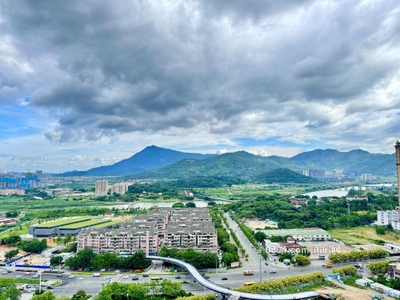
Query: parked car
4,272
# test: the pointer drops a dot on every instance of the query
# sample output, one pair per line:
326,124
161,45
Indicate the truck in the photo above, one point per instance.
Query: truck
248,273
328,265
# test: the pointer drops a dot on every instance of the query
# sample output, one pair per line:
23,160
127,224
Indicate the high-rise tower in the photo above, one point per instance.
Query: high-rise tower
397,147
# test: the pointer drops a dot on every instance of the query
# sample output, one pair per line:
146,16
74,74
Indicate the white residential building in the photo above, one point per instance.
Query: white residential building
386,217
120,188
101,188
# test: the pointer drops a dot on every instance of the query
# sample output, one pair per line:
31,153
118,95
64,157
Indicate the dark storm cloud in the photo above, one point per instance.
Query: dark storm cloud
104,67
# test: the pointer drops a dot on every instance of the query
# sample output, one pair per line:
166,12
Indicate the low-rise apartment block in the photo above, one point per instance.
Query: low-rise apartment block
175,228
386,217
127,239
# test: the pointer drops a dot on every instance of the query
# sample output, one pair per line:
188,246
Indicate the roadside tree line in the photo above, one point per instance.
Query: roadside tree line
357,255
141,291
86,258
278,285
230,250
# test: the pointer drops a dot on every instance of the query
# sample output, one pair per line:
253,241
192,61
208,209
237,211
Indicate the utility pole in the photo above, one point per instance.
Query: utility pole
260,269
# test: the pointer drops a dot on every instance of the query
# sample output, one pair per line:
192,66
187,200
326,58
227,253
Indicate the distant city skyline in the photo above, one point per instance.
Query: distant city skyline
86,84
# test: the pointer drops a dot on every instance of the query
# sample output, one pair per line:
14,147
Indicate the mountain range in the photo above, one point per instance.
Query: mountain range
154,163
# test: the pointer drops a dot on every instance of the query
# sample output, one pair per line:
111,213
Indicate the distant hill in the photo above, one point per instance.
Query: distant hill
247,166
160,163
239,164
355,160
283,176
152,157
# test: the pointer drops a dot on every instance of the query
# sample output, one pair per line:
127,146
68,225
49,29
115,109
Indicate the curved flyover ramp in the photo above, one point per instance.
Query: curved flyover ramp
227,292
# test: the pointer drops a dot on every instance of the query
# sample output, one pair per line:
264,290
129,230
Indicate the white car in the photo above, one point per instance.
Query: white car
80,278
4,272
71,276
35,276
17,276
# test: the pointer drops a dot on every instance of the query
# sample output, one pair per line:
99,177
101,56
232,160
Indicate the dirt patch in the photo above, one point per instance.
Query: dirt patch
258,224
6,248
324,248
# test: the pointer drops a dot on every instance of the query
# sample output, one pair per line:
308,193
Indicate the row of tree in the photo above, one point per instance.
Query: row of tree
230,250
357,255
198,259
141,291
86,258
282,284
346,271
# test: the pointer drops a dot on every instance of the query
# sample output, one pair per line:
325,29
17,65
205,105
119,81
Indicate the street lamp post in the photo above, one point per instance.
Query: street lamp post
259,252
216,265
40,282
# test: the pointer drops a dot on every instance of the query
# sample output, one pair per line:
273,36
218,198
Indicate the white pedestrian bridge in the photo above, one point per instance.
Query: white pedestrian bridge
225,292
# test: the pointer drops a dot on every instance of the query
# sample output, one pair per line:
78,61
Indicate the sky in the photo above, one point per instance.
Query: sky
88,83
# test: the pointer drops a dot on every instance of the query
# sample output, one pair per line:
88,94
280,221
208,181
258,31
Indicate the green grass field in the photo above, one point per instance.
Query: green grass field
64,221
86,223
363,235
107,224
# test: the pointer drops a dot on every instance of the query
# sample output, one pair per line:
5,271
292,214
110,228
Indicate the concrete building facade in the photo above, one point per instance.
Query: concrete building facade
174,228
101,188
386,217
120,188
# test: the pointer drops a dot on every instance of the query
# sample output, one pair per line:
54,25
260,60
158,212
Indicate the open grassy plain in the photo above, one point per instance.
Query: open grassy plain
363,235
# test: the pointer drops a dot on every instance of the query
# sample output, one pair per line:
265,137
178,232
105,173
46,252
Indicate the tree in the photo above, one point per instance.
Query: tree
80,295
138,260
380,230
34,245
190,204
45,296
379,267
8,289
56,260
11,254
12,240
178,205
171,289
285,255
302,260
83,259
12,214
260,236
